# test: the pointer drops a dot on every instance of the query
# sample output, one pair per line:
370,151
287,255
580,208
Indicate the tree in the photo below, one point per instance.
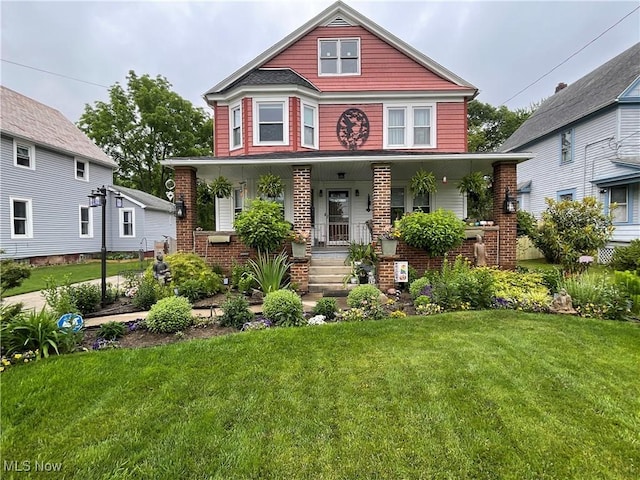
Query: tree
489,126
143,124
570,229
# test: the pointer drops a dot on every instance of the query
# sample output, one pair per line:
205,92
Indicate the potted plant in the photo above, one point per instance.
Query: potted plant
477,187
422,183
299,243
389,240
221,187
270,185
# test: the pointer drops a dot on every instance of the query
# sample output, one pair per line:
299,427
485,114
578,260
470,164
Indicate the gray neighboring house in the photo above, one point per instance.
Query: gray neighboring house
586,142
48,169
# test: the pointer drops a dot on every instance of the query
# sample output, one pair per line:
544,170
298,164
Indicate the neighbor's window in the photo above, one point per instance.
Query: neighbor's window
127,222
397,203
309,121
409,126
421,203
566,152
86,223
236,127
23,155
566,195
272,123
21,218
620,196
82,170
339,56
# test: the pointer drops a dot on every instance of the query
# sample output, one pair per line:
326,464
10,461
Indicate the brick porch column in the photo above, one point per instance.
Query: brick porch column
302,221
381,218
505,176
185,178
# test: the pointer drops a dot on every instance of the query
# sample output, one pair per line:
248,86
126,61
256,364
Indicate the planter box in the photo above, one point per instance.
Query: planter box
299,250
389,246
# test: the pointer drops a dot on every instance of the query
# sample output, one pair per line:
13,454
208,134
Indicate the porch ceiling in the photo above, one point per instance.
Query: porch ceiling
324,168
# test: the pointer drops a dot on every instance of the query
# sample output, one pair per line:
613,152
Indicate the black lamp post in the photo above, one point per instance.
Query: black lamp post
98,198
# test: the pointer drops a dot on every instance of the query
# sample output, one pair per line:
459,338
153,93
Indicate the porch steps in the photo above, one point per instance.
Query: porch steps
326,274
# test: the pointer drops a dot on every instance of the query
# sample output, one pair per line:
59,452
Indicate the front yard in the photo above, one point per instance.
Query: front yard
488,394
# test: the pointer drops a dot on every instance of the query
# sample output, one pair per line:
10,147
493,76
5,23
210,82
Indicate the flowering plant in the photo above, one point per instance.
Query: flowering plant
299,236
390,233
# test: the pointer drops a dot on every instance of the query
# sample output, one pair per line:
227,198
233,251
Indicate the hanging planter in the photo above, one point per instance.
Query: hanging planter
270,185
480,200
422,183
221,187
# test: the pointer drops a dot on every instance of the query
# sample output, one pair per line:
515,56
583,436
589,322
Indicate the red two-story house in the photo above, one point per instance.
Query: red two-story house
345,113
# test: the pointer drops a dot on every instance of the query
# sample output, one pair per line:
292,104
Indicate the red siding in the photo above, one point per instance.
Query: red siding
450,127
221,137
329,115
382,66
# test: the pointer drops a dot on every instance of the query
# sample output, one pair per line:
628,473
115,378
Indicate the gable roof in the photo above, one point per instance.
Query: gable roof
340,14
25,118
143,199
593,92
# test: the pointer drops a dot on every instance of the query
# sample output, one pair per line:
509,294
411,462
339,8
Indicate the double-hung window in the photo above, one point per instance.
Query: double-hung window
397,203
566,147
271,120
82,170
339,56
127,222
238,201
309,126
235,125
86,222
409,126
421,203
21,218
24,155
620,197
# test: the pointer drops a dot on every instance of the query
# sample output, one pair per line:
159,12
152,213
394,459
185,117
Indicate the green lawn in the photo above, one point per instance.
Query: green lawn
80,272
484,395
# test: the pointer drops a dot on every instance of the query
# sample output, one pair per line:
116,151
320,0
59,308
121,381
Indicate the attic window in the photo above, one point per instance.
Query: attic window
340,56
23,155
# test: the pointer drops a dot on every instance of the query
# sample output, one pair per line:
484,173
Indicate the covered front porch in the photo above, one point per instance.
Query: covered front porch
343,198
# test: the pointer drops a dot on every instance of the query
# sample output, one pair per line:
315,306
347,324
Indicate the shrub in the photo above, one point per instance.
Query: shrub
169,315
366,298
12,274
59,297
32,331
627,258
417,287
189,267
520,290
526,223
270,272
436,232
238,272
193,289
571,229
326,307
629,282
86,297
594,295
235,312
9,311
111,331
262,226
148,293
284,308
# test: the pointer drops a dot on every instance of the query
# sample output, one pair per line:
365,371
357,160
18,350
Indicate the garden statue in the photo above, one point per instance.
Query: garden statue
161,270
562,303
480,252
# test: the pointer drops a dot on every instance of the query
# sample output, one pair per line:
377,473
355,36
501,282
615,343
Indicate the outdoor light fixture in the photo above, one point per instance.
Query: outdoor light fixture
341,175
98,198
509,202
320,193
181,208
119,200
357,192
368,203
444,179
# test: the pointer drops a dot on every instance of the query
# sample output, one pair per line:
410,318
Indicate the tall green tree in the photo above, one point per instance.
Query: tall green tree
489,127
144,123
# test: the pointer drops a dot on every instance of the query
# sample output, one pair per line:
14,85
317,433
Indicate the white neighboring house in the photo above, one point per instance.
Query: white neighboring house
48,169
586,142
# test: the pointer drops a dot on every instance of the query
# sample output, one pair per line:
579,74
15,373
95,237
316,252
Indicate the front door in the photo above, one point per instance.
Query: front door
338,208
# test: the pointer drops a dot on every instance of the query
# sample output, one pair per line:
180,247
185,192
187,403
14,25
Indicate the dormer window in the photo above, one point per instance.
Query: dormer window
340,56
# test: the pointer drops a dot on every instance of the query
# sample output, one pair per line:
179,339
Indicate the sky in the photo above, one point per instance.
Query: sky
500,47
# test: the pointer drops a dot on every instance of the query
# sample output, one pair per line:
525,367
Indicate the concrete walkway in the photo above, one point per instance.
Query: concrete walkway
35,301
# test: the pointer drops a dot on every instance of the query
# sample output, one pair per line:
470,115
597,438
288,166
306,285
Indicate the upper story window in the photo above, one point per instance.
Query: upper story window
271,120
127,222
235,125
82,170
21,218
309,132
566,147
620,196
24,155
409,126
339,56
